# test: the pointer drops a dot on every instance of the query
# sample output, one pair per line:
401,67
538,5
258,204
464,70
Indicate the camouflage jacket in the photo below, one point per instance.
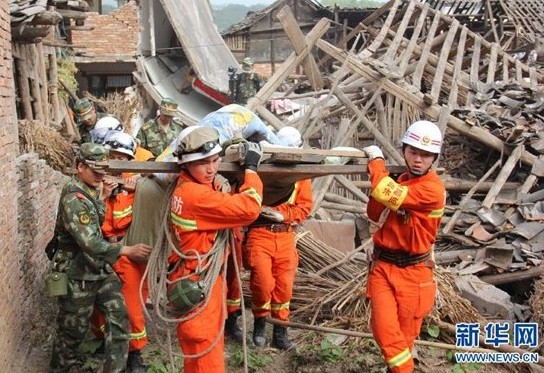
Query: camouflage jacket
85,130
247,86
83,252
154,139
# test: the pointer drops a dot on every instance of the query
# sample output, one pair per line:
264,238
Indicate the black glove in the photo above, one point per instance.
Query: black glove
252,155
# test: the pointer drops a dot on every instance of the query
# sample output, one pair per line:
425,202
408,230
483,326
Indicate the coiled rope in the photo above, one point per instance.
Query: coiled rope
209,266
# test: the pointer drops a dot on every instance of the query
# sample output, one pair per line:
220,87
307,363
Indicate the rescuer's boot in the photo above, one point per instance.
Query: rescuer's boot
258,331
279,338
232,330
135,363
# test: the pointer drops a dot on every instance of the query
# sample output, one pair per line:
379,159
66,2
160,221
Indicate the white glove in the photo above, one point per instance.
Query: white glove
271,214
373,152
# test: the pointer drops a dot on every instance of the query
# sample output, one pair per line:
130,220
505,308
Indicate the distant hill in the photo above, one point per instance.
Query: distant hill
227,15
221,3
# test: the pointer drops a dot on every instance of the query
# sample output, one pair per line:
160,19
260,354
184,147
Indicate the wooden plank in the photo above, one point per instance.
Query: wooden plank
457,69
378,40
35,91
389,56
492,67
54,88
44,94
406,92
314,126
491,17
304,171
288,65
501,178
293,32
519,71
350,187
22,79
381,139
407,54
474,67
451,223
505,72
505,278
418,74
443,60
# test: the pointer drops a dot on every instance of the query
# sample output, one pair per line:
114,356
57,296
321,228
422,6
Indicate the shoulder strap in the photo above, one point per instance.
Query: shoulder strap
51,249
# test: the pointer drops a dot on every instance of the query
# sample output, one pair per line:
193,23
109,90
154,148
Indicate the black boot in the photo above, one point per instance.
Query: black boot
259,325
135,363
232,330
279,338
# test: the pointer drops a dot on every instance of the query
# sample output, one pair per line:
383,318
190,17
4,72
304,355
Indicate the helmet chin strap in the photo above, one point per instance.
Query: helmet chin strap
417,173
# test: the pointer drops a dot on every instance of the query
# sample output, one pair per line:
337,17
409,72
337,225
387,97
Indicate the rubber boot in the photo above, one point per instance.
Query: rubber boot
279,338
135,363
232,330
259,338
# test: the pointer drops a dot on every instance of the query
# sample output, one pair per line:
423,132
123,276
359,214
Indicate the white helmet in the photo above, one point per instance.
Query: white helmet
103,126
424,135
120,142
197,142
289,136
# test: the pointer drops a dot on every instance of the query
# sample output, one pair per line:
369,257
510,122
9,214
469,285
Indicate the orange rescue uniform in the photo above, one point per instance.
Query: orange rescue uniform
198,212
234,293
402,296
116,223
273,257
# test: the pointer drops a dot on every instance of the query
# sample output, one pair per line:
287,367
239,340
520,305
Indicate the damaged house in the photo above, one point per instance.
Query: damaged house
404,61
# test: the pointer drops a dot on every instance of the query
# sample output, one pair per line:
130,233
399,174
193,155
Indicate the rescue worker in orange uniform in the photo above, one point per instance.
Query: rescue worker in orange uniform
199,213
234,293
400,284
122,147
272,257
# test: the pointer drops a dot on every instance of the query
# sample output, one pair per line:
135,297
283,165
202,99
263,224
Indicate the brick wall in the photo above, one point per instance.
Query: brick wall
28,197
8,202
113,34
38,191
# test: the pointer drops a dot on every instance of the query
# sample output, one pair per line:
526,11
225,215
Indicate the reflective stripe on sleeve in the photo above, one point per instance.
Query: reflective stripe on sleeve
186,224
399,359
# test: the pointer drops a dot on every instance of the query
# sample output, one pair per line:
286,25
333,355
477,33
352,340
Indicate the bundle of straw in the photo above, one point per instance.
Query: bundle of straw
50,145
330,290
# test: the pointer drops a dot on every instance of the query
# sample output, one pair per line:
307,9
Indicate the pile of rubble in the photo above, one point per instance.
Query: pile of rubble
408,61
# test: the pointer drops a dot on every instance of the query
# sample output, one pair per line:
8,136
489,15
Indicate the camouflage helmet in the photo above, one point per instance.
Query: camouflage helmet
247,64
168,107
83,109
90,154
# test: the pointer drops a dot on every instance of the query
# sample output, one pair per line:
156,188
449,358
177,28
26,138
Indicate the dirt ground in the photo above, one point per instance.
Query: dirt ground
315,353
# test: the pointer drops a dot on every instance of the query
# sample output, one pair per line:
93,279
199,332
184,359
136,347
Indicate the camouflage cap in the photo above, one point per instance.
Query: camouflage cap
168,107
247,64
83,109
90,153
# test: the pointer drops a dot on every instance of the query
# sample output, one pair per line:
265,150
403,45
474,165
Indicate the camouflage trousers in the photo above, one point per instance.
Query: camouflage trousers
74,317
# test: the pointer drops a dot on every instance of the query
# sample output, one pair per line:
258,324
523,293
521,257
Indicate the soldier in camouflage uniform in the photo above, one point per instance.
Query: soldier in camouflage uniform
159,132
86,257
86,118
248,82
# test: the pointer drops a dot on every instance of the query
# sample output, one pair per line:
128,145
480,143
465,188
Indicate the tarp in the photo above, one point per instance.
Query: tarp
181,47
